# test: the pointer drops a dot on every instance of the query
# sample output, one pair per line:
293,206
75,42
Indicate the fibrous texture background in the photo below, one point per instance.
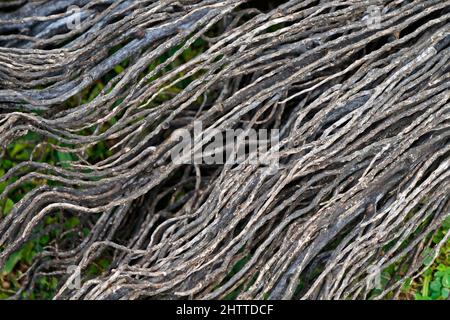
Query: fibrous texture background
361,102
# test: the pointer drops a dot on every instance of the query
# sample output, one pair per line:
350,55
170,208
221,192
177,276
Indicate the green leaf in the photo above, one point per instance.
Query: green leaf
445,292
118,69
407,285
93,270
45,239
95,91
51,220
7,164
28,252
418,296
441,267
18,147
428,260
446,280
12,261
64,158
446,224
439,274
72,222
104,263
435,285
3,186
86,232
8,206
435,295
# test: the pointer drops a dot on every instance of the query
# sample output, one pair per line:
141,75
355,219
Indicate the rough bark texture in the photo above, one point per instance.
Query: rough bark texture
364,151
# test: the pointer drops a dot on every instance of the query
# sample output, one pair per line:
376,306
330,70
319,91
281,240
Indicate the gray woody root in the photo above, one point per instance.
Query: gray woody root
363,114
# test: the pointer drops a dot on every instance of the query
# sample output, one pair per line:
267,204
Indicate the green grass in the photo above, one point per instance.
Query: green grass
435,282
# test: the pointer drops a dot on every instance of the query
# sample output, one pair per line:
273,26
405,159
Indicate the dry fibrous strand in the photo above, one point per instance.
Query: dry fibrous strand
361,103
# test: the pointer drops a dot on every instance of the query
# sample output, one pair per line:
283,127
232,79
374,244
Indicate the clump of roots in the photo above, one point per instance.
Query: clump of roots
361,103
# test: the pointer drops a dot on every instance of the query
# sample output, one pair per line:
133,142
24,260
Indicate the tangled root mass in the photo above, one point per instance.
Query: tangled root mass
361,105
